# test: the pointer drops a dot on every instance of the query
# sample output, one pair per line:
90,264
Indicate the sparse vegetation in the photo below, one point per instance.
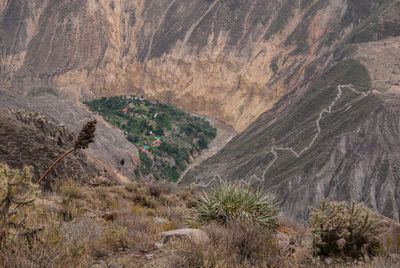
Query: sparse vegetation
70,190
229,201
122,224
238,244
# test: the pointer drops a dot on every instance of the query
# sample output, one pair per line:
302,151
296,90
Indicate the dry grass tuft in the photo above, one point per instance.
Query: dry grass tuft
156,189
238,244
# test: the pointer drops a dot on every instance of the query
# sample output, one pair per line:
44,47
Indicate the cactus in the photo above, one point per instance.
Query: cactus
16,191
342,229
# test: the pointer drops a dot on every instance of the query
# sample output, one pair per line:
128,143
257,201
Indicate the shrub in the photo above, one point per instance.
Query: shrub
229,201
156,189
341,229
237,244
248,241
190,254
117,237
70,190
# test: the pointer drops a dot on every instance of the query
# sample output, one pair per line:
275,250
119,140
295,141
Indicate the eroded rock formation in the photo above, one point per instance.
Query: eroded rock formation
229,59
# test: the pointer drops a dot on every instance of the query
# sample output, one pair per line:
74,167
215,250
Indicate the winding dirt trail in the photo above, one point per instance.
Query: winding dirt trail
274,149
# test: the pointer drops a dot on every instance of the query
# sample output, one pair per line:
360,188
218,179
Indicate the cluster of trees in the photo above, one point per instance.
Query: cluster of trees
142,120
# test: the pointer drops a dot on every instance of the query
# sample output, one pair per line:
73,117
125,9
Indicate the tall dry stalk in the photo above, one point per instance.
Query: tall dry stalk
85,137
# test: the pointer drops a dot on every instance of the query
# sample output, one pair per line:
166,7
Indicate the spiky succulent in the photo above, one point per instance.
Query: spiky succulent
229,201
16,192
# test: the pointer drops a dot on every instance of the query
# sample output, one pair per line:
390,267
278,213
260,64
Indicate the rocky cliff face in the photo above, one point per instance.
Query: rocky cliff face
229,59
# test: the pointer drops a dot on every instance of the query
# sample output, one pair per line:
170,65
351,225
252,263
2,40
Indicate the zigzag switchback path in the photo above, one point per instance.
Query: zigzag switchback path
274,149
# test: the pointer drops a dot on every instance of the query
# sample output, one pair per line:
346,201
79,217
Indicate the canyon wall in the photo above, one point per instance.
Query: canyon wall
229,59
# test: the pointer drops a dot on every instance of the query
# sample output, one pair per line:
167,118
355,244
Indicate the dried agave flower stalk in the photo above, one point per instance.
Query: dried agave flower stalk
85,137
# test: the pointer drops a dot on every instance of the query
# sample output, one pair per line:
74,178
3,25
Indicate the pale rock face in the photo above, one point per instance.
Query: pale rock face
231,60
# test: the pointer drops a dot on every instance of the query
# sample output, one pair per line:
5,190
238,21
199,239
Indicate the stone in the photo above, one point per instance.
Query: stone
328,261
341,243
149,256
283,240
113,265
101,181
194,235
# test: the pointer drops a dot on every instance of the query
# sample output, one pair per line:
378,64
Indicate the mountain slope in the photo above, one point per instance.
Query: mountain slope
34,141
229,59
339,140
110,145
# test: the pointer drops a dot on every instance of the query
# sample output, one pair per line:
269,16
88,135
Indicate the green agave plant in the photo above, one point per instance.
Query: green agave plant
230,201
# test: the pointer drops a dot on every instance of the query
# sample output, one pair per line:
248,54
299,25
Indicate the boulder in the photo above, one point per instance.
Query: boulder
98,181
283,240
194,235
113,265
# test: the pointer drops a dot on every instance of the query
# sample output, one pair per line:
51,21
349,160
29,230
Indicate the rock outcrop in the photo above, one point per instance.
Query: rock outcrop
194,235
